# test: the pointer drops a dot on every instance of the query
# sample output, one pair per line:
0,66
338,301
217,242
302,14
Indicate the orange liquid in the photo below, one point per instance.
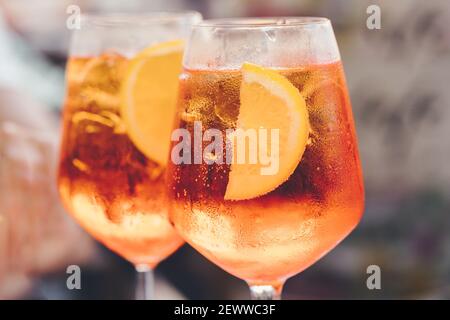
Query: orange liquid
269,238
114,192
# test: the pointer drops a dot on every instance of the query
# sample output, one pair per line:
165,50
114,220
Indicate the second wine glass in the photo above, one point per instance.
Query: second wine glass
122,82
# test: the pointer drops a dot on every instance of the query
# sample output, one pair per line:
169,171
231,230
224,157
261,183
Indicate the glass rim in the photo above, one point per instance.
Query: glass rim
263,22
138,19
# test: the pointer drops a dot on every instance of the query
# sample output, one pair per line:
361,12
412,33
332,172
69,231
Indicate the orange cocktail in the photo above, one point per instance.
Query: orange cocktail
122,85
259,224
112,189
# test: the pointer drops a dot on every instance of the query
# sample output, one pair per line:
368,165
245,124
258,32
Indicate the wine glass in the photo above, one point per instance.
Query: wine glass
119,78
265,176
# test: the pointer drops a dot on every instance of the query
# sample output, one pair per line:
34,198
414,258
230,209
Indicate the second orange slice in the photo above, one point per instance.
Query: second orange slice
148,98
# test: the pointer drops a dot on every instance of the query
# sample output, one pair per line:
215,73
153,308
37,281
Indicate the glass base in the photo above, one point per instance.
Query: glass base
265,292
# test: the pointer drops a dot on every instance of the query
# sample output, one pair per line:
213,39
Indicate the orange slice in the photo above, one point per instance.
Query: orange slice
268,101
148,98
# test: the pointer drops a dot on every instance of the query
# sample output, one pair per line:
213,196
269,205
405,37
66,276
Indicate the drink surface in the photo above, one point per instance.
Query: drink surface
115,192
271,237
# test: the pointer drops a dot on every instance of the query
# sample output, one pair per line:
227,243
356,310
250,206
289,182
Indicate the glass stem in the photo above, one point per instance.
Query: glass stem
265,292
145,287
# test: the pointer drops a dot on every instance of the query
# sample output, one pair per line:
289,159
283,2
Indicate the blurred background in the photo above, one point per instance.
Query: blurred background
398,78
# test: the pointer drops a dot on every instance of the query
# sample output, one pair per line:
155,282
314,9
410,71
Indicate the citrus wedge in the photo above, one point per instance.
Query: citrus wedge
148,98
268,101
